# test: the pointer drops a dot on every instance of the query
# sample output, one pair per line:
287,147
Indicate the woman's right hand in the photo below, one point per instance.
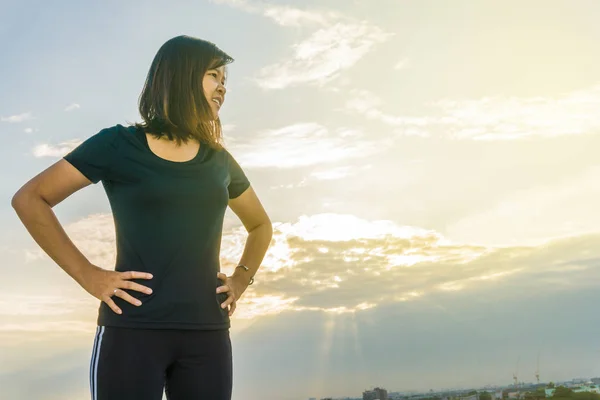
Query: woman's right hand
101,284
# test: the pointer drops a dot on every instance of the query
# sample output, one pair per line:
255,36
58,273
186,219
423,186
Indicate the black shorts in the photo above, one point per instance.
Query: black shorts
139,364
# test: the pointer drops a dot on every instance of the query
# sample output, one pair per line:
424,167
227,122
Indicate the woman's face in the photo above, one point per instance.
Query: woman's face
214,89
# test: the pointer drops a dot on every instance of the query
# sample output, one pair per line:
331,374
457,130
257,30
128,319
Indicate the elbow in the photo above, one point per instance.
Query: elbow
265,228
269,228
18,200
267,224
21,199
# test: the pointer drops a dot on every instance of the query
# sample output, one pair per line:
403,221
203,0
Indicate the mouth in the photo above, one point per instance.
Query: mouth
217,100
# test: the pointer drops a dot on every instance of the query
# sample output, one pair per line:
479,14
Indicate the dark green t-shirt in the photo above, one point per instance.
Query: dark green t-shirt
168,218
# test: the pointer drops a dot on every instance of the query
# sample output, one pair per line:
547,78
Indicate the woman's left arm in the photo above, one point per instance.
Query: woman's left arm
250,211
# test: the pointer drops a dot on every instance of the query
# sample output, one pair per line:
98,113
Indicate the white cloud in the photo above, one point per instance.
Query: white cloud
72,107
47,313
323,56
94,235
28,130
345,228
282,15
302,145
499,117
48,150
243,5
402,64
534,215
491,118
291,16
333,251
228,127
338,172
17,118
66,326
34,255
334,263
293,185
368,104
337,45
332,174
41,305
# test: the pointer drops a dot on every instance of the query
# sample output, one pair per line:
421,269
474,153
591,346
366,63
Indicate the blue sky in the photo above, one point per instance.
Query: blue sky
430,169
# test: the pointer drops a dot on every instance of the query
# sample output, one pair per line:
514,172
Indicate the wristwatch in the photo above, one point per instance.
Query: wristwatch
247,269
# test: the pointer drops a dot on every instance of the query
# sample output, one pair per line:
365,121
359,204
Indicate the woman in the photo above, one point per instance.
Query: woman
163,321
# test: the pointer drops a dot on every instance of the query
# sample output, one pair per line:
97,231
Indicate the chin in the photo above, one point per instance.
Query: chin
215,113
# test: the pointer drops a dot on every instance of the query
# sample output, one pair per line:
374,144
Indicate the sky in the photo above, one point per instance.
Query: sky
430,169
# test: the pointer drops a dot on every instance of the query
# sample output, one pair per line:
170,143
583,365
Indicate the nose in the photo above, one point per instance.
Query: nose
221,89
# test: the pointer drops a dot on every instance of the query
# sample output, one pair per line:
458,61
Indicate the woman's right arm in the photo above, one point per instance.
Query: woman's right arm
33,203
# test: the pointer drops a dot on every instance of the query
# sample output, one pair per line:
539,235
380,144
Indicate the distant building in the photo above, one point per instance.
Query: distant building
590,389
579,389
369,395
382,394
376,394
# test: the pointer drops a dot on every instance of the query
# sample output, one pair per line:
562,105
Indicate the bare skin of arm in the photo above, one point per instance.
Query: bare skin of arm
33,203
250,211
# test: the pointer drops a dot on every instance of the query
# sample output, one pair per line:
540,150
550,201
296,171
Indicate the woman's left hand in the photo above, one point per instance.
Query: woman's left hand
234,288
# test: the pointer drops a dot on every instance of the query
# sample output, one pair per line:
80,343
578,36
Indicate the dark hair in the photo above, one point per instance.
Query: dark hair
172,102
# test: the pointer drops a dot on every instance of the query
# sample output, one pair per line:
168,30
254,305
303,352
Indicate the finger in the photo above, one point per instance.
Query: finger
229,300
135,275
232,308
127,297
225,303
221,275
135,286
223,289
112,304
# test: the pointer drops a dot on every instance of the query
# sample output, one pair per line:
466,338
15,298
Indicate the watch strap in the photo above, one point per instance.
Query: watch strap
247,269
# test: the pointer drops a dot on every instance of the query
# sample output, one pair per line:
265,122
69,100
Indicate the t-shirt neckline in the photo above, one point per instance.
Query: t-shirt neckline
193,160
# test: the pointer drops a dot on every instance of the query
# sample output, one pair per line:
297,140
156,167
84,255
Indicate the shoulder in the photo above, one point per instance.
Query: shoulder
221,154
114,136
106,137
103,141
225,154
119,132
228,155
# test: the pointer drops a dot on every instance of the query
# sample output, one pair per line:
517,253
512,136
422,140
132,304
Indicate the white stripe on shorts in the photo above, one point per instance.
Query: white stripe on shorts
94,362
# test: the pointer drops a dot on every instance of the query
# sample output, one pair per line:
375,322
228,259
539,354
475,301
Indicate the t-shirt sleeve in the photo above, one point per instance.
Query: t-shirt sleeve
238,180
93,158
